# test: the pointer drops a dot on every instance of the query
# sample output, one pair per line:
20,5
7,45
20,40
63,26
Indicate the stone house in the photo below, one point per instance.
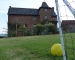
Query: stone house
68,25
31,16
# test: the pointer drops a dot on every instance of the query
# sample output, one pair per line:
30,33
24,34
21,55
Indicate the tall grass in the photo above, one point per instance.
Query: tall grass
28,48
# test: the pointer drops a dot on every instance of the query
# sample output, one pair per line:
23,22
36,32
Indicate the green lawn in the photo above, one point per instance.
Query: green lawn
30,47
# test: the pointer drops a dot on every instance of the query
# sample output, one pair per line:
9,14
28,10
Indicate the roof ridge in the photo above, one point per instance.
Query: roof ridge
23,8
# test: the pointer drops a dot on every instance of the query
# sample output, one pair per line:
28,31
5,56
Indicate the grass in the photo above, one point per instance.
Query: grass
30,47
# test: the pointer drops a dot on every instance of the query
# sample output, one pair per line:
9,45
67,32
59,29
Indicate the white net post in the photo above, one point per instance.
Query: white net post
60,30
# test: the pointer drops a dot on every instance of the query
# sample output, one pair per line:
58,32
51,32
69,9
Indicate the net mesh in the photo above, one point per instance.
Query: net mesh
68,28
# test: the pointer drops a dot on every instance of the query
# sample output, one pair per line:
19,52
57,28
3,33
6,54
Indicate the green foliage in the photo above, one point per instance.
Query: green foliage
27,33
39,28
12,33
51,27
12,29
44,29
12,26
23,28
44,21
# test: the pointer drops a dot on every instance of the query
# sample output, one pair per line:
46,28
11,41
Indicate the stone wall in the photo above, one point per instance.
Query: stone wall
44,13
22,20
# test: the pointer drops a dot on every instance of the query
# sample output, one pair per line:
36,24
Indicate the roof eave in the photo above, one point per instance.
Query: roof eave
23,15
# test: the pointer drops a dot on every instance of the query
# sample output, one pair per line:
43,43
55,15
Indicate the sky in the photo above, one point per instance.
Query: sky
4,6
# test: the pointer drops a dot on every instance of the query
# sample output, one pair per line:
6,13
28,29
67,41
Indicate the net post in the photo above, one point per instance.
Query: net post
69,7
60,30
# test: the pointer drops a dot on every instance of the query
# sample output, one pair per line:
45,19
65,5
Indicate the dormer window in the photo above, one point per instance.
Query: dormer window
45,10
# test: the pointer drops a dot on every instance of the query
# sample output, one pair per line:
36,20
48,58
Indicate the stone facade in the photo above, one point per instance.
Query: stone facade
44,12
68,25
22,20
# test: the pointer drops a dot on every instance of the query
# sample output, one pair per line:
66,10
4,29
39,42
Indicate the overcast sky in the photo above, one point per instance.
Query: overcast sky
4,6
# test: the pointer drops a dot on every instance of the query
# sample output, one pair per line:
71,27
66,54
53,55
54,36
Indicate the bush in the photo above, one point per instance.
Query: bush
51,27
44,29
27,33
38,29
11,33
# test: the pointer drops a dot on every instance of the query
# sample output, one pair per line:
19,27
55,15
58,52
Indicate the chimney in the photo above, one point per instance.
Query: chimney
52,8
9,6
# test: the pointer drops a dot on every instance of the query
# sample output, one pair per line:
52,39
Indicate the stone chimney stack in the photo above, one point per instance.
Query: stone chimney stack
9,6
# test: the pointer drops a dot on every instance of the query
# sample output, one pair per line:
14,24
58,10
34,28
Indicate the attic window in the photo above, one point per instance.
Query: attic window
45,10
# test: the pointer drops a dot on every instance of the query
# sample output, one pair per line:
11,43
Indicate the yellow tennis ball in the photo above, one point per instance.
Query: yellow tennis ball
56,50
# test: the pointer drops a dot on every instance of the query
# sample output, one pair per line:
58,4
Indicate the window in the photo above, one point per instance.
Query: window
45,10
34,18
34,25
46,17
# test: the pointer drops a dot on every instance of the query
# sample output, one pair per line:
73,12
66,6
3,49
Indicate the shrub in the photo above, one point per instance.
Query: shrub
39,28
51,27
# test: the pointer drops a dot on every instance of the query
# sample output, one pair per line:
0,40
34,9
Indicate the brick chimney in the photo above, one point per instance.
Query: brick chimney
9,6
52,8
